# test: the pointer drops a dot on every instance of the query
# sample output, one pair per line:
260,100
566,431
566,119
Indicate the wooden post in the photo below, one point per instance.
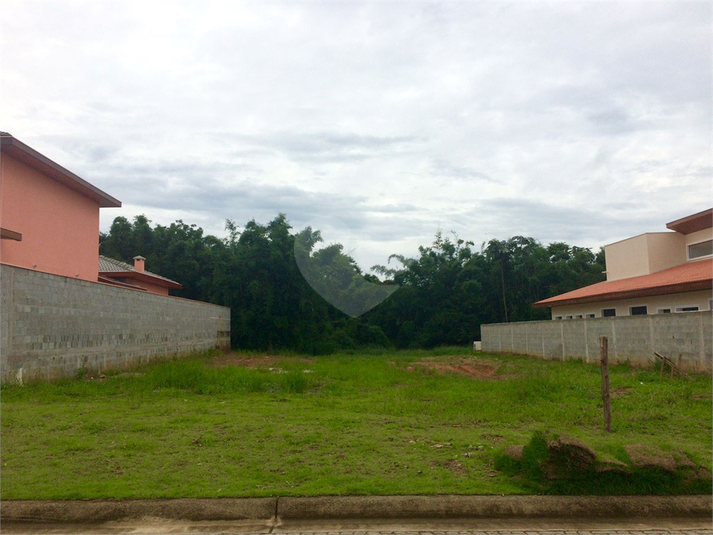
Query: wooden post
606,397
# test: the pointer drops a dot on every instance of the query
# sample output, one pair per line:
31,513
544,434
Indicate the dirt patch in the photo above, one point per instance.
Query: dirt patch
514,452
646,456
261,361
460,365
452,465
621,391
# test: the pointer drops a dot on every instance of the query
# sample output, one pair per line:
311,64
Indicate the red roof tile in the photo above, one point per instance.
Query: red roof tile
110,267
697,275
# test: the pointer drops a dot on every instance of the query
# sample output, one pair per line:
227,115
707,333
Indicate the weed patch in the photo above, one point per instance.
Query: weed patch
362,423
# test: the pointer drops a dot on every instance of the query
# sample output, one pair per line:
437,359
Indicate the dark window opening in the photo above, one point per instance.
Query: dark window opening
697,250
609,312
638,311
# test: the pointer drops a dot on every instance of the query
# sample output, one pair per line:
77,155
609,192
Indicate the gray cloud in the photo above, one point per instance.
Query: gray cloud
582,122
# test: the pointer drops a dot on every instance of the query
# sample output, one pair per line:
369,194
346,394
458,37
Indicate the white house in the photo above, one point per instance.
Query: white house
653,273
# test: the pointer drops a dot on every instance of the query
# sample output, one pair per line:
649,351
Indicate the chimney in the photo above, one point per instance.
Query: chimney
139,263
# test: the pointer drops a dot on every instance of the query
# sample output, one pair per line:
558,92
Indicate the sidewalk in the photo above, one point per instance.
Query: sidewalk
665,515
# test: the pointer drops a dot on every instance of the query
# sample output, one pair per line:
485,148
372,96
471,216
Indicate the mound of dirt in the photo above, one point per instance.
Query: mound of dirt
462,366
567,457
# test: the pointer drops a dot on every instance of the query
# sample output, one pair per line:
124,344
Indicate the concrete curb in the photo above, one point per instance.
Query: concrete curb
355,507
492,506
96,511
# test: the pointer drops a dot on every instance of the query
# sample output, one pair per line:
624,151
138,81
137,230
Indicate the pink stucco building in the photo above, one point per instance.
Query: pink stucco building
48,215
49,222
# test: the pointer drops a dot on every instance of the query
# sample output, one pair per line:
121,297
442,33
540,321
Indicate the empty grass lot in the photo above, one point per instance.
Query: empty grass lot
392,423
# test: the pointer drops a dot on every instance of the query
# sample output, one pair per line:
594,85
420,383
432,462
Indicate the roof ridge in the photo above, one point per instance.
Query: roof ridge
129,267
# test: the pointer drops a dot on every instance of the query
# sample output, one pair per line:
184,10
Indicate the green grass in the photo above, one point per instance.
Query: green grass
344,424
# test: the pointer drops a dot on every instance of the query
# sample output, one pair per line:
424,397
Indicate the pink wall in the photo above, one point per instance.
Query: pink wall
153,288
59,227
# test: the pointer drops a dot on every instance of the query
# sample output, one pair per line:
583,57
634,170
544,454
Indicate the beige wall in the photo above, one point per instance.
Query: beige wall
626,258
700,299
644,254
665,250
701,235
695,237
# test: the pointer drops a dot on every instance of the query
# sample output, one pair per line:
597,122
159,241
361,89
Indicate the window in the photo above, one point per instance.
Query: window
558,317
700,249
608,312
686,309
638,310
568,317
590,315
578,316
663,311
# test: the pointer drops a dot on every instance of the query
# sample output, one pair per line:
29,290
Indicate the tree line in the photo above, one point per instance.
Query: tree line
439,297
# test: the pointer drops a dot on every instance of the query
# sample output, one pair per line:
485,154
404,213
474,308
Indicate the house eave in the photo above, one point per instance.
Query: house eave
143,277
29,156
692,223
629,294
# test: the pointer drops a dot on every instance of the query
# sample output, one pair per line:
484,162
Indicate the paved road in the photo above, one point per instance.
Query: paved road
678,526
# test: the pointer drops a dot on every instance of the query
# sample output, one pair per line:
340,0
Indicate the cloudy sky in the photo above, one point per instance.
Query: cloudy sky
378,123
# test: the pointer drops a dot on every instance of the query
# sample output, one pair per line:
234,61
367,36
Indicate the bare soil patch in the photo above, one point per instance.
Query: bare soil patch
459,365
452,465
621,391
648,456
261,361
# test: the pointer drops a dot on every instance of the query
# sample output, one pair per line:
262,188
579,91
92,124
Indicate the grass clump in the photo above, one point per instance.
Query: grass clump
197,377
551,464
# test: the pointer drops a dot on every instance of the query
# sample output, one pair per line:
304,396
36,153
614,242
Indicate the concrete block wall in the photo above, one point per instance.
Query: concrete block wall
51,326
688,337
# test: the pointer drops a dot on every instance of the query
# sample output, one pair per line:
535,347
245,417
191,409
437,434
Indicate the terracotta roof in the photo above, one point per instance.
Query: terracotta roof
689,277
29,156
109,267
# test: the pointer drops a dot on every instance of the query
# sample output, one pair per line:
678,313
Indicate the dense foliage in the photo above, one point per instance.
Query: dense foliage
443,295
